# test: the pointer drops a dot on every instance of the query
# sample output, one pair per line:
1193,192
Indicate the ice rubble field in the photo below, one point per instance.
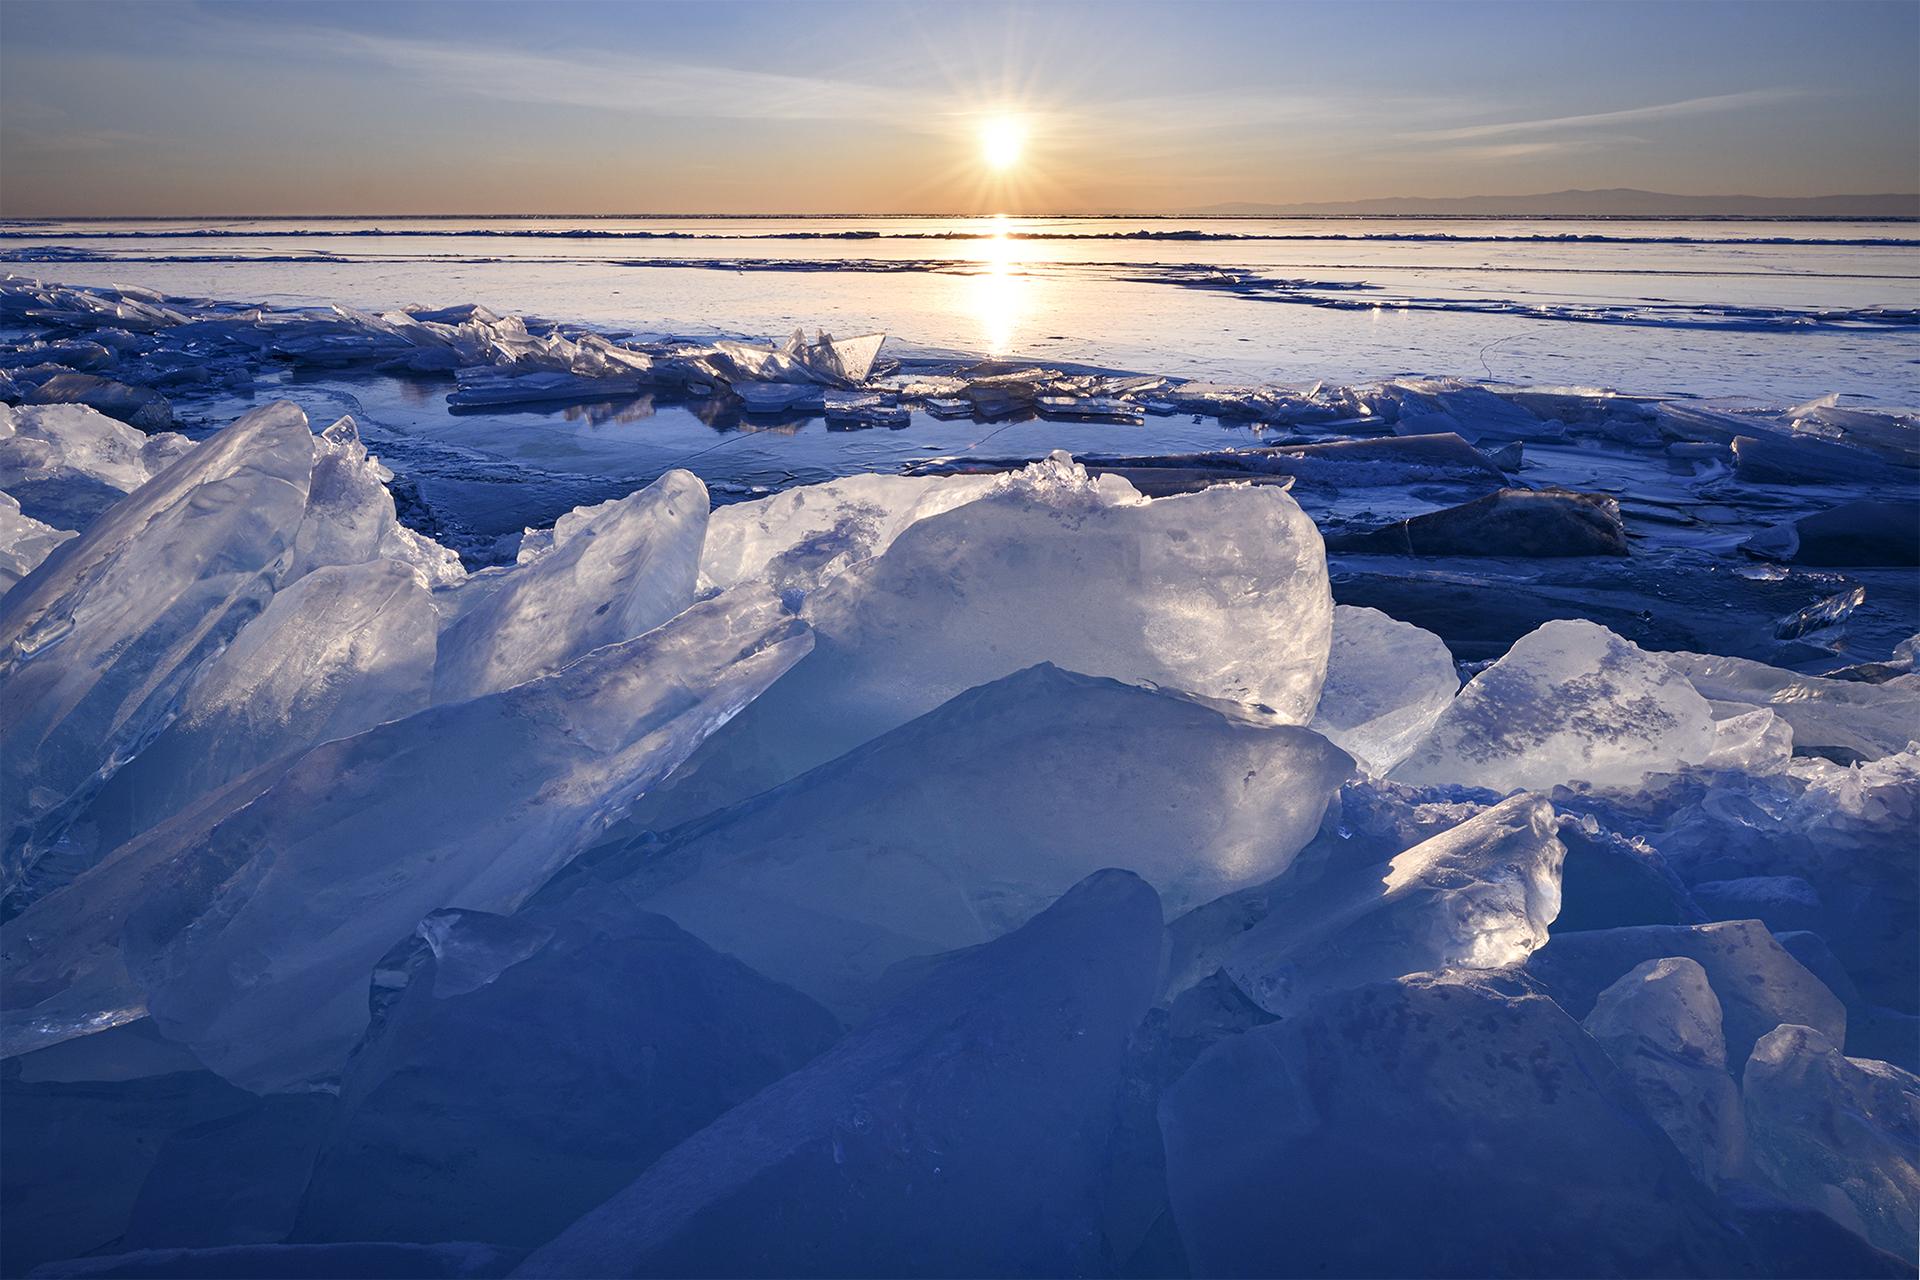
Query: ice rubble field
1011,868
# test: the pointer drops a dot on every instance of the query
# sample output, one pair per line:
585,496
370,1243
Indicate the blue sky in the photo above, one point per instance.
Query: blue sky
164,108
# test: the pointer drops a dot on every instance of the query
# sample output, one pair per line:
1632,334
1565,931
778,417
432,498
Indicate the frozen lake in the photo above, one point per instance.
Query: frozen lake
1779,311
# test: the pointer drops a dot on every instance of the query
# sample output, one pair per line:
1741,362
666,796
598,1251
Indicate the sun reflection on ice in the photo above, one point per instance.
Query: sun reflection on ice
999,290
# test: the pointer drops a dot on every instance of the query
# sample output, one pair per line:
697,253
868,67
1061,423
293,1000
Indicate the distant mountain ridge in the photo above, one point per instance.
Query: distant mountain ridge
1615,202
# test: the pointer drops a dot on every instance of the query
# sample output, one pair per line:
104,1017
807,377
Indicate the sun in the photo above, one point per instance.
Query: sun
1001,140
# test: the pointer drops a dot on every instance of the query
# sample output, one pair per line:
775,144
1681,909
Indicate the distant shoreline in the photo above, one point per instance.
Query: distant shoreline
54,219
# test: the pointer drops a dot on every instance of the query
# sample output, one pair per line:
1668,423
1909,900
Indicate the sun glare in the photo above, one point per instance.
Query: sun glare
1001,140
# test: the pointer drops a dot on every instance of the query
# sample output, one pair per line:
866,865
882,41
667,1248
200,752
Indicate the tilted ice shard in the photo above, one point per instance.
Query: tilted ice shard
350,515
983,1094
799,538
1407,1129
1387,682
142,407
252,932
843,362
1837,1134
626,569
1661,1026
343,649
1868,721
961,825
583,1046
66,463
24,542
1222,593
1479,896
1570,703
99,641
1451,404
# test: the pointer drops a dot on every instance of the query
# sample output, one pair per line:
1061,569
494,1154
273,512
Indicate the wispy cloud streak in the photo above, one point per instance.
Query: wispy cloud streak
606,83
1630,115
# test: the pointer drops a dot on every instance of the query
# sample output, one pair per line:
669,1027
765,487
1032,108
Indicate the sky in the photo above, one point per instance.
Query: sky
163,108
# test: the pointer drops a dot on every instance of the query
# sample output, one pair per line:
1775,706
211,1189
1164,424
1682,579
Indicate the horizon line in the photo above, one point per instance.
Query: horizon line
1059,213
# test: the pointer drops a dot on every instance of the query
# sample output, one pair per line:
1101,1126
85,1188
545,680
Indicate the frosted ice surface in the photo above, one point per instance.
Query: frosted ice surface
24,542
66,464
1660,1024
1222,593
800,537
1837,1134
1570,703
1408,1128
1387,682
343,649
350,515
1868,721
588,1043
252,934
1479,896
102,638
963,1128
621,570
962,824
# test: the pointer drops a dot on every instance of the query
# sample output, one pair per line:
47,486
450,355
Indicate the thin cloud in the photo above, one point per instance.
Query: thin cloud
1496,152
602,83
1657,111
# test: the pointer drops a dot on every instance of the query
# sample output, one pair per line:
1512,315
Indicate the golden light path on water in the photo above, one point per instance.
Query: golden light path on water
999,290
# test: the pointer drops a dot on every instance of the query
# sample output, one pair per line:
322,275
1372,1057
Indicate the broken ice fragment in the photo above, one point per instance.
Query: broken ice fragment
66,464
1865,721
982,1094
583,1044
801,537
24,542
1403,1129
472,804
1387,682
1570,703
960,825
99,641
1512,522
1758,983
1837,1134
1479,896
1829,612
344,649
625,569
139,407
1222,594
1864,532
350,515
1660,1024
